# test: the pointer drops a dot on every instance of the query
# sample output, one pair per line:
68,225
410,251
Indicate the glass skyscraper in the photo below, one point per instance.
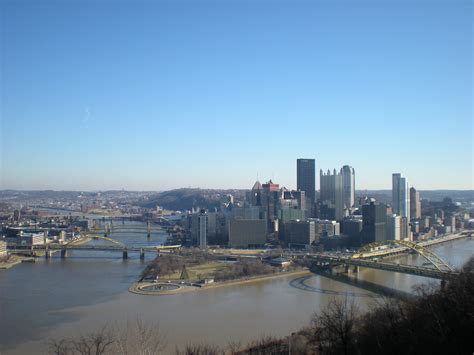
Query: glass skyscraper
348,180
306,178
400,196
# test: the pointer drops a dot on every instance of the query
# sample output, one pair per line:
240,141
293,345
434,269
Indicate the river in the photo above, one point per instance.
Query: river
58,298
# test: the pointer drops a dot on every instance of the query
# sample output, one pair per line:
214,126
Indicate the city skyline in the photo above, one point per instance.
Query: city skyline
236,177
164,95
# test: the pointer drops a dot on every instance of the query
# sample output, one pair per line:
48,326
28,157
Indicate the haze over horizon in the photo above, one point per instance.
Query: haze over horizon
161,95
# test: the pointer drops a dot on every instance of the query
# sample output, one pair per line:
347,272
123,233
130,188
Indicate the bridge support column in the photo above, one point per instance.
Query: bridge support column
142,254
125,254
355,270
63,253
47,253
443,284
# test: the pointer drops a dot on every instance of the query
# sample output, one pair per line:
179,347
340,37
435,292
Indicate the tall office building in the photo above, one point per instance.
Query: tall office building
415,205
255,197
299,233
400,196
348,181
374,218
244,233
306,178
202,218
270,201
332,193
394,225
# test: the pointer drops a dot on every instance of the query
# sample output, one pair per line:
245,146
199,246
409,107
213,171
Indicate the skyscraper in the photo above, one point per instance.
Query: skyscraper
332,193
415,205
202,218
394,224
374,217
348,181
400,196
255,198
306,178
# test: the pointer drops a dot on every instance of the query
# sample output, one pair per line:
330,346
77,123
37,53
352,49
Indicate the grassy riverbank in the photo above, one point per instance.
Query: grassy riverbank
197,272
137,287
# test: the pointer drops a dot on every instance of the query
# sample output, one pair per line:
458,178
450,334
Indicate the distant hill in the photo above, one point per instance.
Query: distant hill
186,199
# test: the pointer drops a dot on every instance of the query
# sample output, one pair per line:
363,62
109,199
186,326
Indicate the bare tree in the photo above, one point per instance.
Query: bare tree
96,343
334,327
267,344
234,346
200,349
59,347
139,338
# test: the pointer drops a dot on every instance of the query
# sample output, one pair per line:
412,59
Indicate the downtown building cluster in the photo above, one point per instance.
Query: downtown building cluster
331,217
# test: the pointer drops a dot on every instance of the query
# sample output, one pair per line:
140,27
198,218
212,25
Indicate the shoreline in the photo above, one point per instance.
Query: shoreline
137,287
18,259
5,265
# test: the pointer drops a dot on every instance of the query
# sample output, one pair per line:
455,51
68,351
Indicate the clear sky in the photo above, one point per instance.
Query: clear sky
156,95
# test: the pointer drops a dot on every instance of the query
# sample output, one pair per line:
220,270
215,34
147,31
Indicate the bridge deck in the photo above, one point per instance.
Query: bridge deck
405,269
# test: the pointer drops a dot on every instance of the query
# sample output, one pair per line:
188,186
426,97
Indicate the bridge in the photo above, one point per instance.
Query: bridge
116,246
324,260
364,257
109,228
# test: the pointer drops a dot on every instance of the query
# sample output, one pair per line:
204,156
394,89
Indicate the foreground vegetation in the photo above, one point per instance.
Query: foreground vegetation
439,321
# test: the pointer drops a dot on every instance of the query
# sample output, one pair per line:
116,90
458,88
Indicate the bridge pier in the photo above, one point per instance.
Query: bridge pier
142,254
63,253
125,254
443,284
47,253
355,270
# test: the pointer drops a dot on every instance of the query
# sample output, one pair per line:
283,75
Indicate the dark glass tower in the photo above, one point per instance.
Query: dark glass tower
306,178
374,216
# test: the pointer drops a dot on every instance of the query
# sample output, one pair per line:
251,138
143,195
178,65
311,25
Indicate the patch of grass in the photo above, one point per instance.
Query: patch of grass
198,272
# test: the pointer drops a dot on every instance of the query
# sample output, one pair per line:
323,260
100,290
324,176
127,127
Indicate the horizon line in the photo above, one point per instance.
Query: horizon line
203,188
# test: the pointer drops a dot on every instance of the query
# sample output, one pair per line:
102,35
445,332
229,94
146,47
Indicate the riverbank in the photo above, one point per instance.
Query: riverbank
18,259
140,287
11,261
447,238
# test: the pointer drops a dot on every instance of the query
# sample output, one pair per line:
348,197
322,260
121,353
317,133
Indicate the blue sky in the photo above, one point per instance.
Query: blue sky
156,95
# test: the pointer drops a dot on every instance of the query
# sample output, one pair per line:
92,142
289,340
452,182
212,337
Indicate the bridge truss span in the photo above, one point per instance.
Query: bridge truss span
75,243
431,257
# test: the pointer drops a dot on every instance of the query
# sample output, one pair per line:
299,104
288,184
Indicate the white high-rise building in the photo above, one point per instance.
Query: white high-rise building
202,229
394,224
400,196
348,181
331,192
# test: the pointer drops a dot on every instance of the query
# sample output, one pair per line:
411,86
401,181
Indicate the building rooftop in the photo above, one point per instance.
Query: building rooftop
257,186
